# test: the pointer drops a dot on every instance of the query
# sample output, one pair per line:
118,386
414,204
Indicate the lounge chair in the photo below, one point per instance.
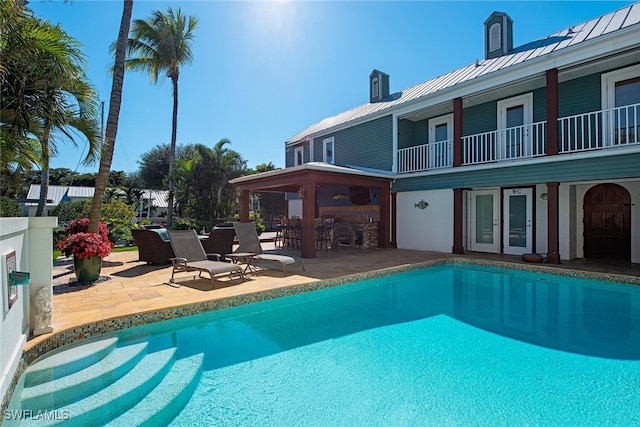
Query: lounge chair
153,245
190,256
249,242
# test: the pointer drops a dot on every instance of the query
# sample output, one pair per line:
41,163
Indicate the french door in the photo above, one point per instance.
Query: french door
517,235
515,116
484,226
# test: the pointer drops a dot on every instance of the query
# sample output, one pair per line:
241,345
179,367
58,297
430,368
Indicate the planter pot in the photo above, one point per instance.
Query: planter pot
87,270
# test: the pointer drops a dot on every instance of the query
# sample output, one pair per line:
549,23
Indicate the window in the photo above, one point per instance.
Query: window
621,102
298,156
328,153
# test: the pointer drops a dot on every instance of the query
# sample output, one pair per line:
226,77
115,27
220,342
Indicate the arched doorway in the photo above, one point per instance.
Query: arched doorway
607,222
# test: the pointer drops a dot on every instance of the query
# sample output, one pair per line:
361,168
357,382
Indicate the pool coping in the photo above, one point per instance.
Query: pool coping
93,329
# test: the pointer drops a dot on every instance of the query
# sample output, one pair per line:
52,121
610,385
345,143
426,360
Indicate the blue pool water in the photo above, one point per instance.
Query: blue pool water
447,345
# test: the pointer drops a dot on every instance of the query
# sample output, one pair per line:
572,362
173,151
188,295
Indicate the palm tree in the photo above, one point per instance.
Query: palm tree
112,118
40,73
161,44
68,104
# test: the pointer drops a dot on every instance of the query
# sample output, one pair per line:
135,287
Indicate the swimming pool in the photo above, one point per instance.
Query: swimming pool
459,344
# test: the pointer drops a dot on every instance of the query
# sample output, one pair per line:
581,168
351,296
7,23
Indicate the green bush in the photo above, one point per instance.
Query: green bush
118,217
184,224
260,227
68,211
9,207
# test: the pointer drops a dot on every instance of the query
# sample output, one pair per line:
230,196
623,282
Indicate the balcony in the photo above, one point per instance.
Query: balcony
426,157
597,130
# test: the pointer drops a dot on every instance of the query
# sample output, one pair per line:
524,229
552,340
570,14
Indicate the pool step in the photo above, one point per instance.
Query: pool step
92,379
112,401
68,361
166,401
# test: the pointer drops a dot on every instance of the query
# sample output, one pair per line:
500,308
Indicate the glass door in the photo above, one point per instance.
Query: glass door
484,221
515,116
518,221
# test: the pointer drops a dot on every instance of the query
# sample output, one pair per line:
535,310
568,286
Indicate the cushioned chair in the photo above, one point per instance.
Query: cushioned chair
249,242
190,256
153,246
220,241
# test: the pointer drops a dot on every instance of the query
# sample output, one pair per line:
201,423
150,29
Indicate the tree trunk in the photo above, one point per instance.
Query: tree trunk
112,120
44,176
172,152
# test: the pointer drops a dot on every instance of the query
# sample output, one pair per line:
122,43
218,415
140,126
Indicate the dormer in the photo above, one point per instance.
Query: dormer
498,35
378,86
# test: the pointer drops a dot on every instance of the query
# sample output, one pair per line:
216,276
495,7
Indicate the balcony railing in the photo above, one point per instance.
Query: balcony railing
616,127
505,144
426,157
599,129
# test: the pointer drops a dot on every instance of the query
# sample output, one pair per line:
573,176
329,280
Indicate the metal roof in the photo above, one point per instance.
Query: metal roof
312,166
57,193
594,28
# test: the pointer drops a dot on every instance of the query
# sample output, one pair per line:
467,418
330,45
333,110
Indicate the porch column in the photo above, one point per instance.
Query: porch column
457,132
552,112
244,206
385,216
308,220
553,240
458,220
394,220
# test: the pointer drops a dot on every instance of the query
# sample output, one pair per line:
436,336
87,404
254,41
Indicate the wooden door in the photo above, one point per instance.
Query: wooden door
607,223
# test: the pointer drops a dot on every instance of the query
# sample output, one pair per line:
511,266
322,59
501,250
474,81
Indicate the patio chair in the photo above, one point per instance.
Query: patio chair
220,241
153,245
249,242
190,256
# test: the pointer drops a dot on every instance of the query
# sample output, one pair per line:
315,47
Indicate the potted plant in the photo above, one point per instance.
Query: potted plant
87,249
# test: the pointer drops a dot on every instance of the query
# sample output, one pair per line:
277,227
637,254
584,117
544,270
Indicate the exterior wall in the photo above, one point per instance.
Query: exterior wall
32,240
579,95
429,229
367,145
480,118
406,134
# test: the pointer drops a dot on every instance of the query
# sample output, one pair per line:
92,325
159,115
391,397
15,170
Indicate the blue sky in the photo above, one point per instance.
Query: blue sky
264,71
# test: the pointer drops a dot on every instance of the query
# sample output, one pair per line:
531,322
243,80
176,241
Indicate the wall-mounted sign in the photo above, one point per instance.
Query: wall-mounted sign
11,265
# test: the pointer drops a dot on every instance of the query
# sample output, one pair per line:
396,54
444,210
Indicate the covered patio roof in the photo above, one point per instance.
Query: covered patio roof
305,179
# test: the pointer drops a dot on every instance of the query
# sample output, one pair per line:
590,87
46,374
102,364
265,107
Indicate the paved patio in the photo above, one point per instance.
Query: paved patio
135,287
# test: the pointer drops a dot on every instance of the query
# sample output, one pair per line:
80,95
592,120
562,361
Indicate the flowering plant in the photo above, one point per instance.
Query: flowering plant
84,245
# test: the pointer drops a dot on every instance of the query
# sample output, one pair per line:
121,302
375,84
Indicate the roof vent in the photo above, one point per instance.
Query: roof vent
498,35
378,86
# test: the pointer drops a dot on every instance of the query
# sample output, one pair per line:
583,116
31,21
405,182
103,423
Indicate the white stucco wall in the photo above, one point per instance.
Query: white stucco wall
31,239
429,229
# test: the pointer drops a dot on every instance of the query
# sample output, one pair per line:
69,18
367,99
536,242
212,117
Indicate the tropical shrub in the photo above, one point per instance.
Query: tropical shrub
9,207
